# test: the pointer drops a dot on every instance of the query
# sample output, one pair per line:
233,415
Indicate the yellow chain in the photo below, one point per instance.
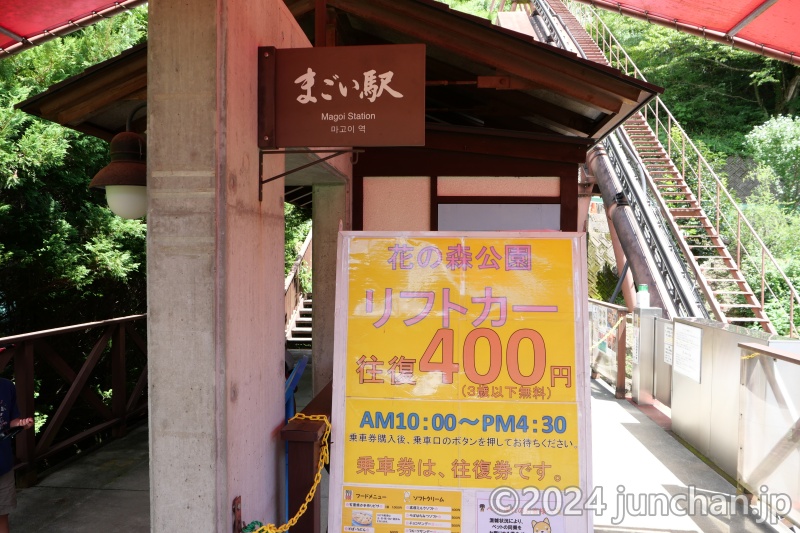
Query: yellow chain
752,355
323,460
608,334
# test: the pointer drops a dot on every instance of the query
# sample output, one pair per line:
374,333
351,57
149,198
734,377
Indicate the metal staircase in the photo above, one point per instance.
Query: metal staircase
712,233
299,330
296,302
719,276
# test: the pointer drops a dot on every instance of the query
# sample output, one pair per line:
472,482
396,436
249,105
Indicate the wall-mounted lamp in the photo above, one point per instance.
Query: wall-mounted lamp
125,177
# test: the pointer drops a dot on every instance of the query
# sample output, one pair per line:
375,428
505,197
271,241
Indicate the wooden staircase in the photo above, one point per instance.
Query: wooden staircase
298,334
727,293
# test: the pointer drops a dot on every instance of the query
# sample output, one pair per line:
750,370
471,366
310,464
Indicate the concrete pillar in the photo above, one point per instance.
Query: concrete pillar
331,205
215,266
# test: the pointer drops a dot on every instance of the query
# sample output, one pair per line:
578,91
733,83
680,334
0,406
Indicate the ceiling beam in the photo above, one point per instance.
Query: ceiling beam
616,7
413,161
547,66
751,17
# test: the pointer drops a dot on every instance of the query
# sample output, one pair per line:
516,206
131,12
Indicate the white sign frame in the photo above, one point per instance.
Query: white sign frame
582,523
688,351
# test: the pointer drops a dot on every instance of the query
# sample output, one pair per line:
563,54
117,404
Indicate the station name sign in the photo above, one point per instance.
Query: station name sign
342,96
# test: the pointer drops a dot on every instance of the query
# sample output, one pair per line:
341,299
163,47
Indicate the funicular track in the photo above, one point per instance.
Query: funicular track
704,222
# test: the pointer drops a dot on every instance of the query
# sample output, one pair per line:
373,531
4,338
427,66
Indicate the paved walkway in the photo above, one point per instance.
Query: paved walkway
108,490
640,467
105,490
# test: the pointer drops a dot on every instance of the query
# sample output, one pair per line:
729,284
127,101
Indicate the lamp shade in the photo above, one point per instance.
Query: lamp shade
127,201
125,177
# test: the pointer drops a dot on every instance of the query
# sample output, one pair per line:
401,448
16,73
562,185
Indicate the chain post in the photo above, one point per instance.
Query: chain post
324,458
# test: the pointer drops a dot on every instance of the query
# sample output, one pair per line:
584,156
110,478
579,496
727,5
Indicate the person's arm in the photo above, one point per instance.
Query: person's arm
25,423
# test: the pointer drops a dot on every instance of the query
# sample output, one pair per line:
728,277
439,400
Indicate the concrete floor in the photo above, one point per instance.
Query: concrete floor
105,490
633,456
108,490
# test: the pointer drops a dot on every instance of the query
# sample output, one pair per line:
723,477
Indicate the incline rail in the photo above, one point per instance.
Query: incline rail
677,279
709,189
105,340
633,177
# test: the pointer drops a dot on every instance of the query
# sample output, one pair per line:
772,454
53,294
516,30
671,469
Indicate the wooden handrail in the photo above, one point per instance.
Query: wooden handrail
30,351
305,250
13,339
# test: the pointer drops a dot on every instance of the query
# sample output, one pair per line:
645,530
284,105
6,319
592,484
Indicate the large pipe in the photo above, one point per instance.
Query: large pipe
628,286
624,223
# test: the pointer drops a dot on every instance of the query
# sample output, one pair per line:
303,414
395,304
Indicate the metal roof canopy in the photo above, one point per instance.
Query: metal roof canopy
480,77
767,27
26,23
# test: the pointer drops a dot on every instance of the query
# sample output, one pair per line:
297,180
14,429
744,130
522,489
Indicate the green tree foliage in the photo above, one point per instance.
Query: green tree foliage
777,227
716,91
776,145
298,224
64,257
479,8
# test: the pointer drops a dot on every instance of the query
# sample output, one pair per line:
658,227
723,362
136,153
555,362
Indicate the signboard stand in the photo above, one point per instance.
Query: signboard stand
341,96
461,388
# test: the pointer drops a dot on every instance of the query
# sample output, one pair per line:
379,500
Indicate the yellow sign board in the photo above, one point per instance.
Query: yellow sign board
459,369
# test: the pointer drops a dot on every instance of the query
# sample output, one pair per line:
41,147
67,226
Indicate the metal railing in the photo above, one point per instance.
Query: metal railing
633,177
608,343
769,429
108,365
712,193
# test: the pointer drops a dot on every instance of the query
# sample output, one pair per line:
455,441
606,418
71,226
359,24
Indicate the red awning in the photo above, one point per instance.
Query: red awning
769,27
26,23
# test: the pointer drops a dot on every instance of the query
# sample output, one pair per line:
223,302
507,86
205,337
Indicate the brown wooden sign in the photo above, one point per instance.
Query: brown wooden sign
342,96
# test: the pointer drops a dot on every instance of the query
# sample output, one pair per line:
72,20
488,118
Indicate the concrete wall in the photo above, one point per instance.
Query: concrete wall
331,207
498,186
215,266
397,204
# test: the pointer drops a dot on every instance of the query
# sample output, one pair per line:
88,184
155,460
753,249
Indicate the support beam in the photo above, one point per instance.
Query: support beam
330,208
215,267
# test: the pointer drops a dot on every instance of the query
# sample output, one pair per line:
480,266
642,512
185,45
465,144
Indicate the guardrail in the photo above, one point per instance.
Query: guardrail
292,288
608,343
703,181
769,429
102,381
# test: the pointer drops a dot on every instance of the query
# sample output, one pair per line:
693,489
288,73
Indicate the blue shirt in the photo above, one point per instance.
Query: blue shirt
8,412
